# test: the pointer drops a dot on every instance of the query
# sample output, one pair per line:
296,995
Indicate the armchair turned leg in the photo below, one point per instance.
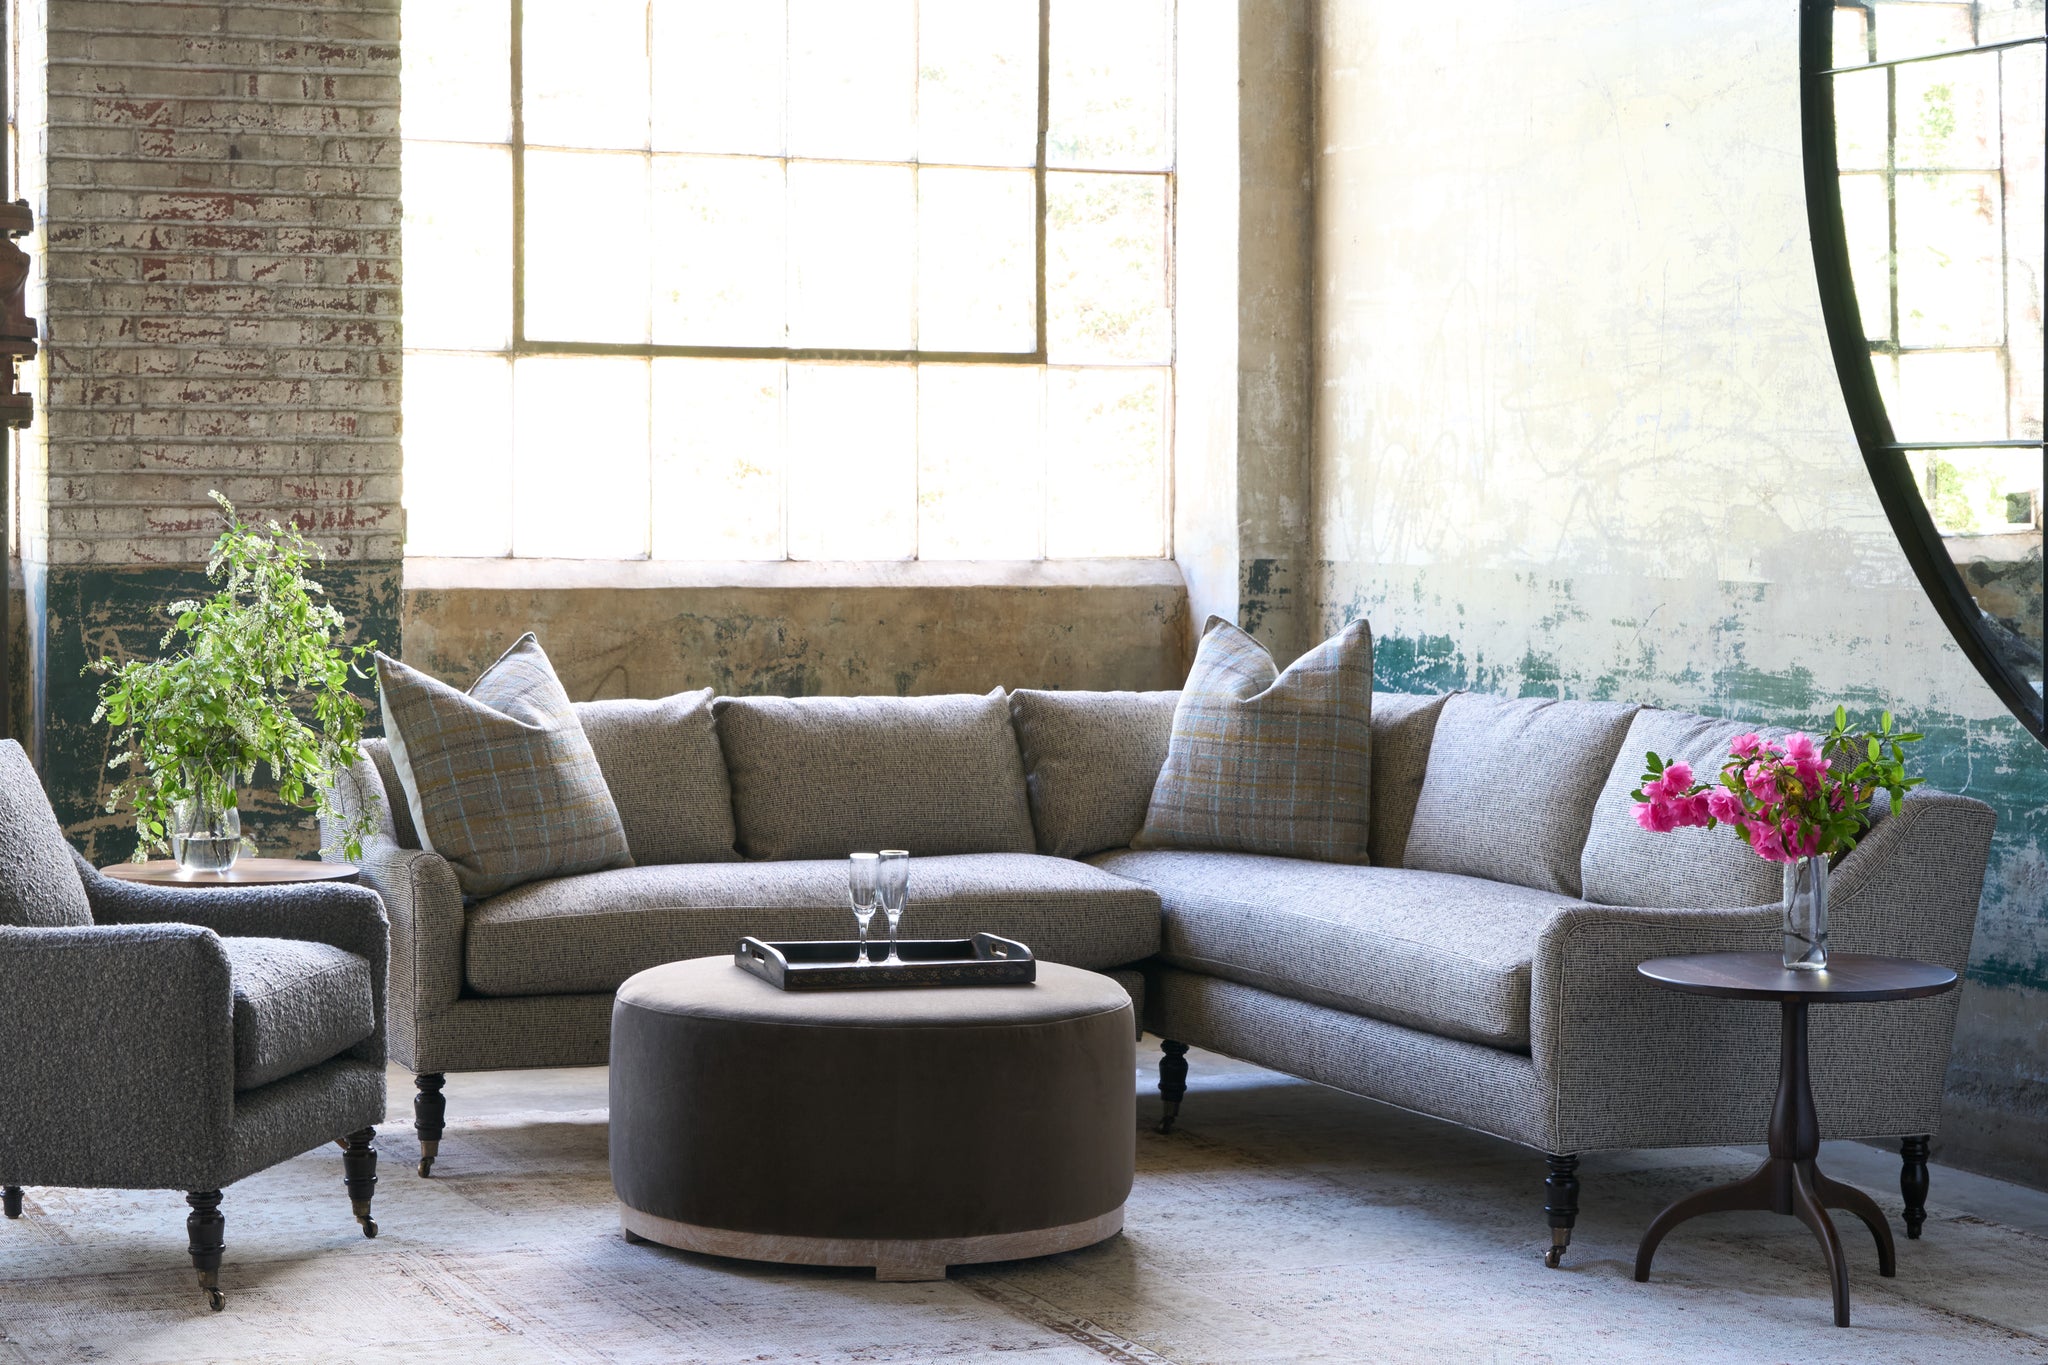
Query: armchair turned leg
11,1197
1560,1205
429,1114
359,1174
1173,1080
204,1228
1913,1181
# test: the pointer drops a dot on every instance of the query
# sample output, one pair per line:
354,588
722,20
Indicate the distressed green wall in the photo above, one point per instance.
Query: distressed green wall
1578,432
89,613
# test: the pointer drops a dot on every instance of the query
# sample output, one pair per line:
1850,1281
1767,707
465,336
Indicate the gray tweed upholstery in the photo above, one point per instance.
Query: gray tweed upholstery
296,1005
1402,728
38,889
1625,864
580,934
822,777
667,777
118,1048
1090,759
1510,787
1433,951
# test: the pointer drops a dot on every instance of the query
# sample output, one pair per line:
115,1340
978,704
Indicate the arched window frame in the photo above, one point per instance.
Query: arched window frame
1883,453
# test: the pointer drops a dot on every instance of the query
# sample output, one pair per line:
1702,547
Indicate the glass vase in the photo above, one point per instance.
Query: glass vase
1806,914
206,834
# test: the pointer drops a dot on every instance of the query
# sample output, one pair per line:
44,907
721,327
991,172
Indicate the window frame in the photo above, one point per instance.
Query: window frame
1884,455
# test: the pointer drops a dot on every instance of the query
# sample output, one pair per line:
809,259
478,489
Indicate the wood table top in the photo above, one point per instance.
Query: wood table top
245,872
1848,977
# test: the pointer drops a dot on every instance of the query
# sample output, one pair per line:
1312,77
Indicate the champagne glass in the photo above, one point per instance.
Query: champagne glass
893,882
862,890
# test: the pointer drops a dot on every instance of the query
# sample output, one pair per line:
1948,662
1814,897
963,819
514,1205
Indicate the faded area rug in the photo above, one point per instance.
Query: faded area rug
1284,1223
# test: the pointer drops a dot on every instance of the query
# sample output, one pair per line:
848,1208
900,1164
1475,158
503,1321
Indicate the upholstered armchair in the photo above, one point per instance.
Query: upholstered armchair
171,1038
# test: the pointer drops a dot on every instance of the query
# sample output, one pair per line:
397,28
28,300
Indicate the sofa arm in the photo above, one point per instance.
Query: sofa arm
117,1053
1628,1064
346,917
424,904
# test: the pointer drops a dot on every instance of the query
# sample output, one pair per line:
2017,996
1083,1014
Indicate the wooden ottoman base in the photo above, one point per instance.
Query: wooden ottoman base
893,1258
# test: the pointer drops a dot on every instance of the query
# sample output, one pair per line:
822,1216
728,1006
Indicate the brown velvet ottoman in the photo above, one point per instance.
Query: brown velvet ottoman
908,1130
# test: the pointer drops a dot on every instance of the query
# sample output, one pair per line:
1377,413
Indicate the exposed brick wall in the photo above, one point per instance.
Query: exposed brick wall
218,190
221,274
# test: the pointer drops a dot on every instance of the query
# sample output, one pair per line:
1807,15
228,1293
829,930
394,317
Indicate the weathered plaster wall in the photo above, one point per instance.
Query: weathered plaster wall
1578,433
887,629
1243,227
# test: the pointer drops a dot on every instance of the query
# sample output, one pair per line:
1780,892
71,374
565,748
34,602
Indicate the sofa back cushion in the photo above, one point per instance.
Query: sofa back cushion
1625,864
500,779
822,777
39,885
1262,761
1402,727
1510,788
667,777
1090,759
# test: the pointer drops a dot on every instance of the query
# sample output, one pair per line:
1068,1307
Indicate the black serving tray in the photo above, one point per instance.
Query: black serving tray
830,965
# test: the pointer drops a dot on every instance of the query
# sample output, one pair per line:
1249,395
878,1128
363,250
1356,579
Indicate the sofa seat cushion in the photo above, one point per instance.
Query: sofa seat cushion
1431,950
590,933
296,1005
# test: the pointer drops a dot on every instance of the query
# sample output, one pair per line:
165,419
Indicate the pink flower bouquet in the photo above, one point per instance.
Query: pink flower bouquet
1787,799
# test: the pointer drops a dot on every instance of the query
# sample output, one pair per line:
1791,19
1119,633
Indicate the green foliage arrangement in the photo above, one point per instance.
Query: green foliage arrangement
258,658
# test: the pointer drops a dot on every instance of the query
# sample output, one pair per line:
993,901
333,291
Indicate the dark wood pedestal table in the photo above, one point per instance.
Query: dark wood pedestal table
245,872
1789,1181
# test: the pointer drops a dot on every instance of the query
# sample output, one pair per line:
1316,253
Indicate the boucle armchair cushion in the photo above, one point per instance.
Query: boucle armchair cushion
500,779
39,886
667,777
1510,788
1402,727
1625,864
1090,759
296,1005
1262,761
822,777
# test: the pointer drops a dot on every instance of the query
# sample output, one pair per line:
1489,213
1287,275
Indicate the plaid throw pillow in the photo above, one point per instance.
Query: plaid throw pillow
1267,762
501,780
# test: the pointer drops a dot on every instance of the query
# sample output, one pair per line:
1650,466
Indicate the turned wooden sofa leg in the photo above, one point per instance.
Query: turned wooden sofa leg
1913,1181
429,1114
204,1228
1173,1080
11,1197
359,1175
1560,1205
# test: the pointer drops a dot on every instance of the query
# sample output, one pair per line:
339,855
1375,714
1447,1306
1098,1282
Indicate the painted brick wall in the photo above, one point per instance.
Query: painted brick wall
220,209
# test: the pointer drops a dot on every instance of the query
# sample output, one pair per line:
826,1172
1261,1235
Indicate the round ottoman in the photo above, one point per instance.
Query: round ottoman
908,1130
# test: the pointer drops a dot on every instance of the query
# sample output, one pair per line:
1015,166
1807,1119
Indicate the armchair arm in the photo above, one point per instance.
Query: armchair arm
346,917
117,1055
424,902
1631,1065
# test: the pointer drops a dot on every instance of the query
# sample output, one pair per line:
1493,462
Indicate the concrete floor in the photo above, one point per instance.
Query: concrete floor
478,1094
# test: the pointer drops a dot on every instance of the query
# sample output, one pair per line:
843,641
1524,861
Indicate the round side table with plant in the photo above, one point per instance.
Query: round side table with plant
253,676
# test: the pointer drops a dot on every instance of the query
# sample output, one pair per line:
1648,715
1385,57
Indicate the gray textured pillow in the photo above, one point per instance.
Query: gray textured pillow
500,779
1402,727
39,885
667,777
1262,761
1090,759
1625,864
822,777
1510,788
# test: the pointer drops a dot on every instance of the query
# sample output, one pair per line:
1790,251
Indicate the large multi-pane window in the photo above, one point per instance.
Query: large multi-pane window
1938,139
811,279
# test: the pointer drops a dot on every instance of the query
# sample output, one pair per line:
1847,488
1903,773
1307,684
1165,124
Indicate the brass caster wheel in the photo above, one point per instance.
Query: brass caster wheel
369,1226
426,1167
1554,1257
216,1300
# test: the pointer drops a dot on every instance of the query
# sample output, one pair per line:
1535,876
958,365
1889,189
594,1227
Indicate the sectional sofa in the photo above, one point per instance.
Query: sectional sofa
1481,969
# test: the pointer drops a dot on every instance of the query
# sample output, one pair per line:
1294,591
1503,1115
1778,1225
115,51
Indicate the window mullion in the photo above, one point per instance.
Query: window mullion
1038,168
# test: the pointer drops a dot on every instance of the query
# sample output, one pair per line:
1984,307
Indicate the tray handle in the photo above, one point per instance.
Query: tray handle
1005,949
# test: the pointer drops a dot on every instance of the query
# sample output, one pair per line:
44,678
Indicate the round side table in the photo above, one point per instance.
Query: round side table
1789,1182
245,872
